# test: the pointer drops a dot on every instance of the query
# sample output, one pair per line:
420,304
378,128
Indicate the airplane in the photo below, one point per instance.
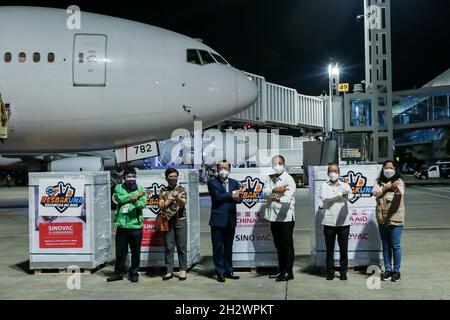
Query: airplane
4,162
111,83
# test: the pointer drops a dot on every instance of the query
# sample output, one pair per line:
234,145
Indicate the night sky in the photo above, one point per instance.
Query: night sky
290,42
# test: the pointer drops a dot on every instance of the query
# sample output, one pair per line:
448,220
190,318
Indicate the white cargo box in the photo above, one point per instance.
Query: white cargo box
253,243
152,247
364,245
69,219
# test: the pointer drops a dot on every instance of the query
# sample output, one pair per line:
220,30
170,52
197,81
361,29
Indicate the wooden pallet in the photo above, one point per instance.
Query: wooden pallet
59,271
66,270
255,269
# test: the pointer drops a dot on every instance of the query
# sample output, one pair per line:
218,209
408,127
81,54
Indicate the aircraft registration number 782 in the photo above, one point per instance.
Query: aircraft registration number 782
137,152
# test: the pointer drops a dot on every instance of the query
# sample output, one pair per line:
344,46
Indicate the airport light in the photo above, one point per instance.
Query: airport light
333,80
333,70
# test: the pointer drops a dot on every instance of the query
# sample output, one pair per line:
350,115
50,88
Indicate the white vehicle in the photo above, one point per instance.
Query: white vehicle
112,83
440,170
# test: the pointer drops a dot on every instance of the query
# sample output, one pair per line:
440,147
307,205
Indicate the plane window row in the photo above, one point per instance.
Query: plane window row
22,57
203,57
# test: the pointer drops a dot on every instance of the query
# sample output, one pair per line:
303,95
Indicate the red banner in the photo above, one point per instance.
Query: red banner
61,235
151,238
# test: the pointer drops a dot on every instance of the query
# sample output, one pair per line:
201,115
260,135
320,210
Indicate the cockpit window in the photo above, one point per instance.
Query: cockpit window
203,57
219,59
193,57
206,57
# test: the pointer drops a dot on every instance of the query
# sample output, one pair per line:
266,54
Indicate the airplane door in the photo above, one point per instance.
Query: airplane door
89,60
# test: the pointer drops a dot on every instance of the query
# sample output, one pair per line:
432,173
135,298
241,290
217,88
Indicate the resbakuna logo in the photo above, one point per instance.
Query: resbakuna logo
61,197
153,197
252,191
359,186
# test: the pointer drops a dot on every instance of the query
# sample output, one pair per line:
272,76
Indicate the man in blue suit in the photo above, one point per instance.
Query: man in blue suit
225,194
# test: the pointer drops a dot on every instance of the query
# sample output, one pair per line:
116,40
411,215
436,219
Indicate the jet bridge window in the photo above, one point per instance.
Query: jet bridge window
22,57
193,57
8,57
206,57
36,57
51,57
219,59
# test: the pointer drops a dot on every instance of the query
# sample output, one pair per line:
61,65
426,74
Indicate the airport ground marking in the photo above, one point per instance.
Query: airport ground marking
439,189
436,195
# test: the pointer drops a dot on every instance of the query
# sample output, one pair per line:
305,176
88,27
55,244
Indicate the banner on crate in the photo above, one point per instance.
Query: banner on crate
61,197
364,244
154,185
60,216
253,234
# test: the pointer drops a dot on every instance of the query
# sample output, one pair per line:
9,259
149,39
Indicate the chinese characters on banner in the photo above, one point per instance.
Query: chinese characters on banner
253,243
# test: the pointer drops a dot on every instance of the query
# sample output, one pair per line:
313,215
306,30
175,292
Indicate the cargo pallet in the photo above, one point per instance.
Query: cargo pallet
67,270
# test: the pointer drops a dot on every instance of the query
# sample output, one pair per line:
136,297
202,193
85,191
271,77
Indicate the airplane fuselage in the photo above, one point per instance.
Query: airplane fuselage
111,83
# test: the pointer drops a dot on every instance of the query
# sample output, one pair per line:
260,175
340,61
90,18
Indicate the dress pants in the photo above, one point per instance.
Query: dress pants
222,245
176,236
342,234
282,237
125,238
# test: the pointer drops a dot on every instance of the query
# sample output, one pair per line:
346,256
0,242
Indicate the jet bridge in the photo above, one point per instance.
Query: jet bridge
282,106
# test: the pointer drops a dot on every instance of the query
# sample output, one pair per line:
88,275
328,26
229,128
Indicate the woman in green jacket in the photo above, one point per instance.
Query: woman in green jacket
131,199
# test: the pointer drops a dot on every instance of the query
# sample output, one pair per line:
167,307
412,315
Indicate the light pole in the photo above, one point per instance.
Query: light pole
378,53
333,81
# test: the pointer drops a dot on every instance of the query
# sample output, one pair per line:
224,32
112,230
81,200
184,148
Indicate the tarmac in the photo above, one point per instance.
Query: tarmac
425,267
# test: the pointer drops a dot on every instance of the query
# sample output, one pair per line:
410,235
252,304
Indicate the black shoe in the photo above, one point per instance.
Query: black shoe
274,276
231,276
220,279
330,277
395,277
343,276
133,278
285,277
386,276
114,277
168,278
182,278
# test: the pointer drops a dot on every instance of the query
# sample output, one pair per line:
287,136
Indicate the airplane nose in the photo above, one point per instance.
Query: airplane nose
246,91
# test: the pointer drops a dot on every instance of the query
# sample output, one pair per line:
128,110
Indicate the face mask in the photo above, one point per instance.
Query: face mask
278,168
333,176
131,182
172,182
224,173
389,173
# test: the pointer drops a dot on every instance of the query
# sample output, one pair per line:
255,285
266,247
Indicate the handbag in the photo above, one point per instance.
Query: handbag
162,223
